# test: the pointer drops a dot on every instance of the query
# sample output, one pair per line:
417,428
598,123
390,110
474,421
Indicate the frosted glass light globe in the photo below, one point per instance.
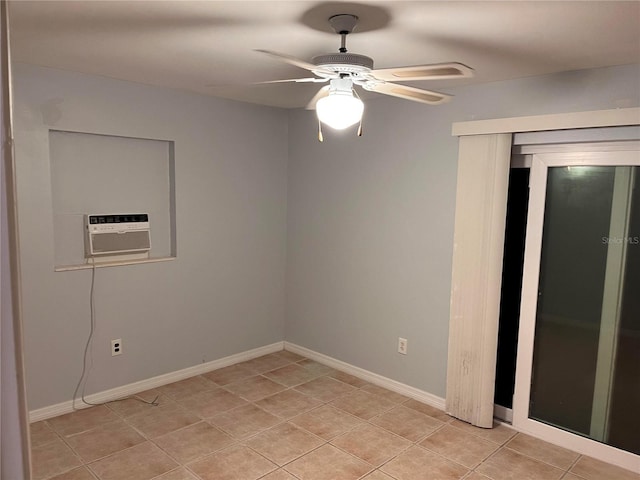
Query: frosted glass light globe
339,109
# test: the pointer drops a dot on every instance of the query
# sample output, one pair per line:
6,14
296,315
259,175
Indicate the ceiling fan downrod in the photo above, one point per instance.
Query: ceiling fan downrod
343,25
343,42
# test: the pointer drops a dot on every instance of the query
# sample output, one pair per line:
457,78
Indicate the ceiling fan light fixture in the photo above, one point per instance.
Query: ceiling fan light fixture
340,109
338,105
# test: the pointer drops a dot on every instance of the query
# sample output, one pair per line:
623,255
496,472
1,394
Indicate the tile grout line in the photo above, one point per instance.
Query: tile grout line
538,459
575,463
76,454
491,455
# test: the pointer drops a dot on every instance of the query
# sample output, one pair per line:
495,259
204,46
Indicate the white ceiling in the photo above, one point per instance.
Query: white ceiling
207,46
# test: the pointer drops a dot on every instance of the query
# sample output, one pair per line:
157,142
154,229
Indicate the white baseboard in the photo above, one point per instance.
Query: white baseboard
137,387
403,389
154,382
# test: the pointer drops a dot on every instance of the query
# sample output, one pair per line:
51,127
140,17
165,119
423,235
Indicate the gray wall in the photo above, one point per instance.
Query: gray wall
363,226
370,220
225,292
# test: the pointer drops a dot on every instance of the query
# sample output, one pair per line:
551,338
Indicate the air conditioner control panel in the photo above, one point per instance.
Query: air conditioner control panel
117,222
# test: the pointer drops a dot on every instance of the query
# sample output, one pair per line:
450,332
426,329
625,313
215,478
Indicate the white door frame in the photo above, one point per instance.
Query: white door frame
521,420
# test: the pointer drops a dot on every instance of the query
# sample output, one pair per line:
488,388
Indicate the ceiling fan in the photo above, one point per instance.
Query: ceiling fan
338,104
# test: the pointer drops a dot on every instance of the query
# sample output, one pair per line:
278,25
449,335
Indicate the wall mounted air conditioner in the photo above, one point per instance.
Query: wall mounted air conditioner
111,237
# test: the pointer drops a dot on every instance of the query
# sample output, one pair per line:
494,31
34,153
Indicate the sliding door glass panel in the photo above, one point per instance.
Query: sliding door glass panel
586,331
624,419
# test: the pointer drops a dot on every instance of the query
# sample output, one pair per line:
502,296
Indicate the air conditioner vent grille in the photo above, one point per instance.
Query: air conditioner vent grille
127,242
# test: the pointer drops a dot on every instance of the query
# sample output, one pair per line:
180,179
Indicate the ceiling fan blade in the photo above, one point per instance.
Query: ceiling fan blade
323,92
268,82
294,80
283,57
439,71
408,93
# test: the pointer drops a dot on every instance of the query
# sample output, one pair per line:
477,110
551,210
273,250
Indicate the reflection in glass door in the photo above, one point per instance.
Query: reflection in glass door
580,318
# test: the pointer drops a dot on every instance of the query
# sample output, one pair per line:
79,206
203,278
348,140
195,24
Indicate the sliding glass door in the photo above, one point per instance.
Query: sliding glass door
578,369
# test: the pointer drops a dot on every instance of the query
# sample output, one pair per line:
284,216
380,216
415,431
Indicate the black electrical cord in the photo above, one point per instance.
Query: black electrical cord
88,353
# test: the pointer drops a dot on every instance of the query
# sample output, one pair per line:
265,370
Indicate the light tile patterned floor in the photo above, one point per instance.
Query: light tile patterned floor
285,417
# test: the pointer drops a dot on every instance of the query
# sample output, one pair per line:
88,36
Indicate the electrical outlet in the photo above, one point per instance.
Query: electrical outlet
116,347
402,345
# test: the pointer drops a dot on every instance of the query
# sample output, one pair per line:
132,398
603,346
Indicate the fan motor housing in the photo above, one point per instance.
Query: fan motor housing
346,59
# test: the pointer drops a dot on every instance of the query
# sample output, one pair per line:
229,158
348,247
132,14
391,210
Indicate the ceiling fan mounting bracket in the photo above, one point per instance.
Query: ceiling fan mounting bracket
343,24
